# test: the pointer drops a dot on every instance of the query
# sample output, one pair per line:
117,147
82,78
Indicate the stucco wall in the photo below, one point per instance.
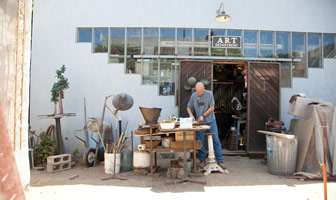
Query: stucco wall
90,76
320,84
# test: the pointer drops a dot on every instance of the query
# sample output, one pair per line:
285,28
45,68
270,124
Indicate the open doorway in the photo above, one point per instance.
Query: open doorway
230,93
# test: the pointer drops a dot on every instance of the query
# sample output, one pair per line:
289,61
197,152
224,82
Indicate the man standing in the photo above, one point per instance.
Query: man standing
203,103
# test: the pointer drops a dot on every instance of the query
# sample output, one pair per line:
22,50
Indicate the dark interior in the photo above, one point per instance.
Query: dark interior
230,95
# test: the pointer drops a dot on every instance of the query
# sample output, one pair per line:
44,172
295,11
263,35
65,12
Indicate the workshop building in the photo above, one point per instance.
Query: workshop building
149,49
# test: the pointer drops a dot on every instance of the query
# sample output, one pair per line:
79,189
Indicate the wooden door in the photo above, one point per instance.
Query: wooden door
198,69
263,101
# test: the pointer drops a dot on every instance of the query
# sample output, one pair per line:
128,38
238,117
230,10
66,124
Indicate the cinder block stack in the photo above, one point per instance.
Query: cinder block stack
58,163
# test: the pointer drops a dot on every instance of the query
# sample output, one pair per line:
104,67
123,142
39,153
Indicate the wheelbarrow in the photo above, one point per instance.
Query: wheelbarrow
95,140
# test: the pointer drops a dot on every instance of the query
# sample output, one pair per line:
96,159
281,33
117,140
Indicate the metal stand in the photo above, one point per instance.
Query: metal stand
57,118
212,164
324,164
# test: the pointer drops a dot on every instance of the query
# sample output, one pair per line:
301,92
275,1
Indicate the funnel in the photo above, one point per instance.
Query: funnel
151,115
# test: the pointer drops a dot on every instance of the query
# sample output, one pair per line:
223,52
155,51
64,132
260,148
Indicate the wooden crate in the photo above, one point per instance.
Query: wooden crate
154,142
189,136
179,144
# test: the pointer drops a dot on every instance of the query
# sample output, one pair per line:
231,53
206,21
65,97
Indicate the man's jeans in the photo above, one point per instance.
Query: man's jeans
200,135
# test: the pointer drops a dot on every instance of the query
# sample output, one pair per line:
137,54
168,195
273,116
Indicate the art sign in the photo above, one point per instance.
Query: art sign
226,42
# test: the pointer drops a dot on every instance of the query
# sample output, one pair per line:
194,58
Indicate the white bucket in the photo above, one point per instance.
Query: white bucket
109,163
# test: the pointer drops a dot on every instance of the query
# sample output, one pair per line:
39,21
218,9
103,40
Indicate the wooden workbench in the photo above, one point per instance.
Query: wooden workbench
152,149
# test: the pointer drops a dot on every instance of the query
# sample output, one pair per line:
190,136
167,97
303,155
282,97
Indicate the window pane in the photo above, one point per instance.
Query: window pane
234,51
184,42
84,35
217,51
150,70
100,40
266,44
117,46
167,76
250,44
298,42
201,42
285,74
133,66
150,41
314,50
133,48
167,41
329,45
282,44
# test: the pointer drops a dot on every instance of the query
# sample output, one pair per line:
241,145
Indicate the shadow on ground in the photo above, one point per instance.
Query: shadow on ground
243,172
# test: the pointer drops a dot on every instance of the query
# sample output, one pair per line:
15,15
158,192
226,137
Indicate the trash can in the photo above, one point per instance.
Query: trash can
281,155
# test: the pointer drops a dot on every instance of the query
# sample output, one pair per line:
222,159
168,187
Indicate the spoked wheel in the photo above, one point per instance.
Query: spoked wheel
89,156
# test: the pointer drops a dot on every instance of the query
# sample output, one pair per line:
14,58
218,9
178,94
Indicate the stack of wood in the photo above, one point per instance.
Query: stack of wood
118,146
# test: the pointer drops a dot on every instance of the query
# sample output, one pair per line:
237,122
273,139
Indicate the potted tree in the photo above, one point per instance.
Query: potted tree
57,91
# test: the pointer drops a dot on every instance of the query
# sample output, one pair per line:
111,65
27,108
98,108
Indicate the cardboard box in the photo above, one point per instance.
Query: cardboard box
189,136
179,145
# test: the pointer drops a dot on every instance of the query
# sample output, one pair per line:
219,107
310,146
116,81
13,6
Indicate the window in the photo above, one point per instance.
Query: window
167,77
250,44
285,75
266,44
84,35
184,42
236,52
100,40
282,44
167,41
150,41
329,45
117,46
150,70
201,42
299,52
217,51
133,48
314,50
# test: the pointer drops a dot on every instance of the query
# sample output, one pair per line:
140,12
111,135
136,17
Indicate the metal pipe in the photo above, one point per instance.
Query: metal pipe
85,126
222,58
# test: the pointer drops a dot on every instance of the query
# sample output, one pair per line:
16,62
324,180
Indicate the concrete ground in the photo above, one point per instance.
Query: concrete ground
248,179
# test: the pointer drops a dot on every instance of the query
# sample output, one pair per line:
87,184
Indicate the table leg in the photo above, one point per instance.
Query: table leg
151,150
194,150
185,153
59,135
155,158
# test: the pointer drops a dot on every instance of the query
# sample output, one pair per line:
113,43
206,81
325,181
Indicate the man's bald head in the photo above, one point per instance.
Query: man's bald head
199,88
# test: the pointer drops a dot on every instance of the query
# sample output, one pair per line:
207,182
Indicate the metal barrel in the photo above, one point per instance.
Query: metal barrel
281,155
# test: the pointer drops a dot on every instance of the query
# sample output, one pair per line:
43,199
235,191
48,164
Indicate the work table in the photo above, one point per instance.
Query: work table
155,130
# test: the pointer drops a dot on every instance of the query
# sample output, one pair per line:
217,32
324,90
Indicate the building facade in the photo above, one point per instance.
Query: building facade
140,47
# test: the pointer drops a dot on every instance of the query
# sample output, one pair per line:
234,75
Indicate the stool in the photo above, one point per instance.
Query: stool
212,164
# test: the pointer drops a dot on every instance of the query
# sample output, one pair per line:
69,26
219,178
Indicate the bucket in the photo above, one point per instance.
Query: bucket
281,155
109,163
126,162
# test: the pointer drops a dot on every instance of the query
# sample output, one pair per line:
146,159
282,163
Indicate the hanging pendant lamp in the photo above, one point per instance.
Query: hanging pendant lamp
221,15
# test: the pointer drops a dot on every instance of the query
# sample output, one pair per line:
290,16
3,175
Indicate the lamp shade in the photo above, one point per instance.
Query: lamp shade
223,17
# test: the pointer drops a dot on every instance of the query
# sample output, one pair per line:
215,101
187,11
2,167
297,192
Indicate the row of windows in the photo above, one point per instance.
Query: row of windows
122,44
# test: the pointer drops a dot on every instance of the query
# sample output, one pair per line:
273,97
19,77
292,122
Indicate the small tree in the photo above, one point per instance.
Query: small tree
57,91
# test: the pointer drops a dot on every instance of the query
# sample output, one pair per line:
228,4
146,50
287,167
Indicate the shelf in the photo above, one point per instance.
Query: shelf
224,83
163,149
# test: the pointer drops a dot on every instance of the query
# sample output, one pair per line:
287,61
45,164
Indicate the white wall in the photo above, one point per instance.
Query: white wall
90,76
320,84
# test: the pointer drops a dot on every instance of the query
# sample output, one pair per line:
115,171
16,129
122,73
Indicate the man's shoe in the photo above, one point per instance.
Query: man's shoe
221,164
202,164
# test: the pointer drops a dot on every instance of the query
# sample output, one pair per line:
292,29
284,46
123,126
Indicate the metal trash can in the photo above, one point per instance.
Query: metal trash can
281,155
